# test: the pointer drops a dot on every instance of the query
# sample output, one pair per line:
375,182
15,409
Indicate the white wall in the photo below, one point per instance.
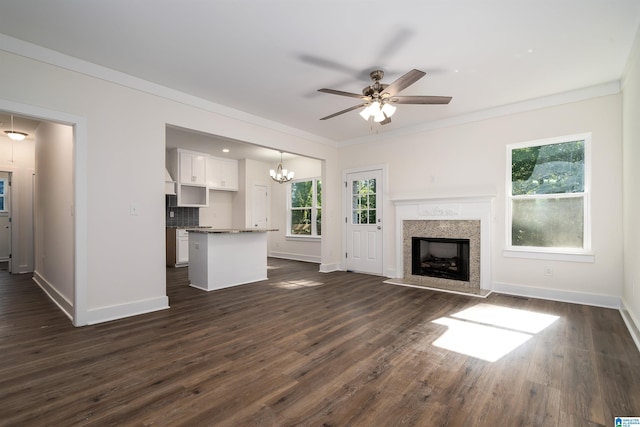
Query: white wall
219,213
124,166
279,245
54,199
631,182
19,158
470,159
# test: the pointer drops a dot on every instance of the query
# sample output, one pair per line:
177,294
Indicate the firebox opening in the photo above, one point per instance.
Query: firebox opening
438,257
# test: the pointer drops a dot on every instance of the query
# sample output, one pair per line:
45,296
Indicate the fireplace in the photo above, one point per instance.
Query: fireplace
442,253
457,218
440,257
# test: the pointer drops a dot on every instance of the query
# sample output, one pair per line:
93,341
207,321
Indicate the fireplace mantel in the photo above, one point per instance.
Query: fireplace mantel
443,207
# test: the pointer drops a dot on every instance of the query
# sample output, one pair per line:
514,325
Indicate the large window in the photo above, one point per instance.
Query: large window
304,208
548,195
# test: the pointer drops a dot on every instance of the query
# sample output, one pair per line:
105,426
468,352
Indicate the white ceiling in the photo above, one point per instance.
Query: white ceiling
268,58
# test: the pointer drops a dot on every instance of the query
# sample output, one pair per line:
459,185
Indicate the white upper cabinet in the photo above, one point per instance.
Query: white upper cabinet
222,174
190,168
193,168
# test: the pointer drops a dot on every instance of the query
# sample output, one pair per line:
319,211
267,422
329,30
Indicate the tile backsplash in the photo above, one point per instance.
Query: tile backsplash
182,217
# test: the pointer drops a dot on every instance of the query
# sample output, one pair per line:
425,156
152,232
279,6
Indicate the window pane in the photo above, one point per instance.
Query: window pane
364,202
372,186
301,194
360,216
319,222
2,187
2,203
356,202
549,222
319,193
372,216
301,221
548,169
356,186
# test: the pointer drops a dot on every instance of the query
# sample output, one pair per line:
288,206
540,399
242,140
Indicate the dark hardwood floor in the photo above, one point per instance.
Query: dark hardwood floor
311,349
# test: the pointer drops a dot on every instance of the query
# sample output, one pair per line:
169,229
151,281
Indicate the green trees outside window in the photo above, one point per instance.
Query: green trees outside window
305,207
548,197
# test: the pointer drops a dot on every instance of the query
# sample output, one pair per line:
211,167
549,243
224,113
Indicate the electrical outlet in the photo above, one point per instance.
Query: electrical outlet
548,271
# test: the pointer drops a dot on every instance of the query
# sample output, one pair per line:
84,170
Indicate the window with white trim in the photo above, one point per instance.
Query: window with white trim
304,213
548,195
3,189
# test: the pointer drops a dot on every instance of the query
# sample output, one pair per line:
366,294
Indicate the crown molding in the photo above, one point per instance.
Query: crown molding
604,89
51,57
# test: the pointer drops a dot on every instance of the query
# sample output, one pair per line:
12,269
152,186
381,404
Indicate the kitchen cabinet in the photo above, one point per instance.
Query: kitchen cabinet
222,174
190,168
193,168
177,247
223,258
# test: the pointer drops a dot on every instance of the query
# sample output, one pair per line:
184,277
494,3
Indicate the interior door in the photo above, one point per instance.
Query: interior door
259,204
364,221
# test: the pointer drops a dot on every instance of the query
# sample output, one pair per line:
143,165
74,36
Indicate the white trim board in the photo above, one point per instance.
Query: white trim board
597,300
295,257
329,268
633,325
60,300
115,312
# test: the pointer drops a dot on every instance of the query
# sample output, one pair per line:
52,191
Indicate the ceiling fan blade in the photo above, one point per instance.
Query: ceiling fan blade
355,107
404,82
421,99
342,93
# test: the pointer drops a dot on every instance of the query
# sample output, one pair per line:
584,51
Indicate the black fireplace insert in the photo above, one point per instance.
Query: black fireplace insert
440,257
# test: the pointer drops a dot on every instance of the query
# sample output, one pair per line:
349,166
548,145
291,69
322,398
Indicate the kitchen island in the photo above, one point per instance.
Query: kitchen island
220,258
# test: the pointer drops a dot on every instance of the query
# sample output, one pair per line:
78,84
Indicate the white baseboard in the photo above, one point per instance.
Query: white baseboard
60,300
596,300
328,268
391,274
633,325
25,268
114,312
296,257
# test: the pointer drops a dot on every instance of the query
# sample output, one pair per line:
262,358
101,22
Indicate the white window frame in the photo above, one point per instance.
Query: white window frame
583,254
314,211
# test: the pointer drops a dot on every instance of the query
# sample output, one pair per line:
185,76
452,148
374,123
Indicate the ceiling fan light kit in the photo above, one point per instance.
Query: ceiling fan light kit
378,98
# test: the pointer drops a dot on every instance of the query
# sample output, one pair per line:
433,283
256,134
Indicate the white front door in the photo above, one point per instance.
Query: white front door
364,221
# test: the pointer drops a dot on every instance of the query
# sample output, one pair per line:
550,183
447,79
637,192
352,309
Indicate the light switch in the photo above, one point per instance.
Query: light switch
133,209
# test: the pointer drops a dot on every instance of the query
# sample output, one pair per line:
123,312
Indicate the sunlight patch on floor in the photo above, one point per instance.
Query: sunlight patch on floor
297,284
509,318
488,332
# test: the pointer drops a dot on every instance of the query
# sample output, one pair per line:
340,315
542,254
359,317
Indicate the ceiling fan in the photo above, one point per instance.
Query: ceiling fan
378,98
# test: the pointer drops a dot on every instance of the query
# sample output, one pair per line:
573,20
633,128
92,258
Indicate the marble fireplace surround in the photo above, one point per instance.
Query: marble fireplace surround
453,217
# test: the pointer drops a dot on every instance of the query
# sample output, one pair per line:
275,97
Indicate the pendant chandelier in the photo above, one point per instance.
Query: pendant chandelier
281,175
13,134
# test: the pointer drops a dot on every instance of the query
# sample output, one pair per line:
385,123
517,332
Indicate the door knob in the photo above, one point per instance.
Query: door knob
379,228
